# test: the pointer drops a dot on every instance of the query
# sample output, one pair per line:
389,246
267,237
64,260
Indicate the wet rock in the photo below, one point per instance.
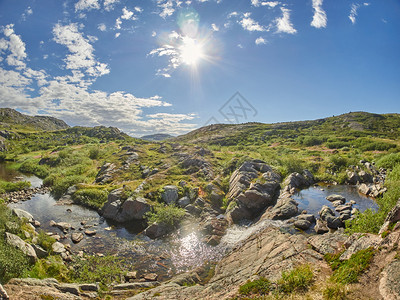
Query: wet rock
170,194
157,230
310,218
17,242
365,177
334,222
326,212
238,213
296,181
76,237
131,275
352,178
334,197
302,224
364,189
344,207
133,209
58,248
63,226
90,232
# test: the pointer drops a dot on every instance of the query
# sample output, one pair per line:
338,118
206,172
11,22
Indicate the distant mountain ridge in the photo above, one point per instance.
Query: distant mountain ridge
13,117
156,137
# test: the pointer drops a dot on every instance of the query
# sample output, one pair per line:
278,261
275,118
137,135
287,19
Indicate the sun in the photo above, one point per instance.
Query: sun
191,51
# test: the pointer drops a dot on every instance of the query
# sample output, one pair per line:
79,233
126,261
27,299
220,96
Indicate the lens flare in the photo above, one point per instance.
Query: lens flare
191,51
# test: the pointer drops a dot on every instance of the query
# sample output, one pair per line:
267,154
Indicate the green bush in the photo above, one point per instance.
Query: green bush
94,152
91,197
388,161
13,262
260,286
169,215
51,267
61,185
32,167
298,279
45,241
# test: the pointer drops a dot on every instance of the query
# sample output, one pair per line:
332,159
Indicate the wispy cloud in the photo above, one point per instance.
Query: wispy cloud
109,4
81,55
102,27
354,11
214,27
319,18
283,23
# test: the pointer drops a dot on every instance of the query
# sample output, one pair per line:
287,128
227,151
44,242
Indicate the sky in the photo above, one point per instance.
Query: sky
171,66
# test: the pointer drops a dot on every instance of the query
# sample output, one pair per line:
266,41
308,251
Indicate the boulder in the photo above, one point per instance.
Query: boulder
392,217
90,232
22,214
328,242
320,227
295,181
352,178
334,222
364,189
17,242
310,218
238,213
40,252
157,230
170,194
335,197
76,237
58,248
284,209
365,177
150,277
389,284
326,212
111,207
69,288
193,210
184,201
133,209
361,242
302,224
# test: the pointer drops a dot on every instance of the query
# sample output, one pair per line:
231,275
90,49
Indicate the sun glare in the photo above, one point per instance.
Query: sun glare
191,51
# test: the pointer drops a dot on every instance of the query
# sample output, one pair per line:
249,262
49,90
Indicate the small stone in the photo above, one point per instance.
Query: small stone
131,275
90,232
76,237
150,277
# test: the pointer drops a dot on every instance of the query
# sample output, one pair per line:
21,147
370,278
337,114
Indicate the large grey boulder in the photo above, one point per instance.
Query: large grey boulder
284,209
389,284
170,194
297,181
111,207
17,242
392,217
353,178
302,224
365,177
22,214
133,209
334,197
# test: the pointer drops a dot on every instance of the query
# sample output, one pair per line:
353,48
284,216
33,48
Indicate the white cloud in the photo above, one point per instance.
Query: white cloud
14,46
87,5
260,41
153,34
319,18
118,23
102,27
167,7
126,14
81,50
283,24
117,34
27,12
250,24
271,4
109,4
214,27
138,9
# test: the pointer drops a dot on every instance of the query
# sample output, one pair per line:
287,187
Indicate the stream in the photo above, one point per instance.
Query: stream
166,257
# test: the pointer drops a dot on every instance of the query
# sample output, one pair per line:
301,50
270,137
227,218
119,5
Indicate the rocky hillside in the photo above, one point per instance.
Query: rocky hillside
12,117
351,124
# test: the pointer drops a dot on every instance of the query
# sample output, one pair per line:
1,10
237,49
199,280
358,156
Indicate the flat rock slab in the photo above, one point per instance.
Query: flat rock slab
389,285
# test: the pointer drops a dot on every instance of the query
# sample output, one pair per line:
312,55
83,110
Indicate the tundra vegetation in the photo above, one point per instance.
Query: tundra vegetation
69,157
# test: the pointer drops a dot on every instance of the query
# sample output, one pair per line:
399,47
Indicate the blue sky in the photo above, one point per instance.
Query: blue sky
169,66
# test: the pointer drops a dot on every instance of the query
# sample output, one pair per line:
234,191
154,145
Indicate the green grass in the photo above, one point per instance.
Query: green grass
335,291
348,271
6,186
51,267
296,280
260,286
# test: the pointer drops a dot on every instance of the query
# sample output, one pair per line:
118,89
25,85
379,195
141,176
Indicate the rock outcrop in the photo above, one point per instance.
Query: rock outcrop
252,188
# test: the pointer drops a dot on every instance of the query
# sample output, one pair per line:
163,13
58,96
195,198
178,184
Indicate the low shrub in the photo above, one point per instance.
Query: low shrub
61,184
33,167
6,186
13,262
388,161
91,197
260,286
51,267
170,215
